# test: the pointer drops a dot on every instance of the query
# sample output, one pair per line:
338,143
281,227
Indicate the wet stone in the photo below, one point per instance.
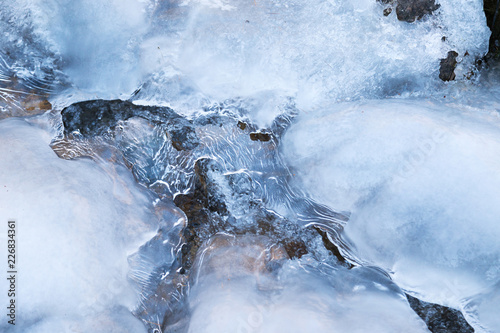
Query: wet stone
447,67
259,136
97,117
242,125
438,318
410,10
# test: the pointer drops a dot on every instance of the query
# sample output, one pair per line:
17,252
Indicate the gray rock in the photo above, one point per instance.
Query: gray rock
492,12
438,318
411,10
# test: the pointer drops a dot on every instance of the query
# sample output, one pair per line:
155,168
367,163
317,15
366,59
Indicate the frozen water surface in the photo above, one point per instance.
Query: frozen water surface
332,171
236,291
422,182
76,223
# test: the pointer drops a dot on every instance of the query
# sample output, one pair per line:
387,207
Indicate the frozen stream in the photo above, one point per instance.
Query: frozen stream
249,166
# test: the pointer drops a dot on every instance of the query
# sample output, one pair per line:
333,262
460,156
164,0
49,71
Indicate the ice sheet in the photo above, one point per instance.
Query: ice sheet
77,222
190,53
422,182
243,285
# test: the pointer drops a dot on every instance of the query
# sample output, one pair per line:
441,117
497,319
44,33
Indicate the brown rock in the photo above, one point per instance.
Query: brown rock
259,136
447,68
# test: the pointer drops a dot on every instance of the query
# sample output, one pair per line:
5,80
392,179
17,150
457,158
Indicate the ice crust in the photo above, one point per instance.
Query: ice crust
77,221
421,180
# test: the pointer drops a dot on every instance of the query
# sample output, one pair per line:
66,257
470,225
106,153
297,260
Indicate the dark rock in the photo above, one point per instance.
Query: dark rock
492,12
259,136
447,67
330,246
411,10
438,318
183,136
242,125
97,117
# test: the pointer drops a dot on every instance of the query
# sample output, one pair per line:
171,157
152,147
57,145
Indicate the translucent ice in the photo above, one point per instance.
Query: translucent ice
77,221
188,53
243,285
316,51
94,43
484,309
422,181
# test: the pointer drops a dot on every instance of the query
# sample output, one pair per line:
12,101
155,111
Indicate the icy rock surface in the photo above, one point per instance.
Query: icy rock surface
77,221
228,183
92,118
421,180
316,51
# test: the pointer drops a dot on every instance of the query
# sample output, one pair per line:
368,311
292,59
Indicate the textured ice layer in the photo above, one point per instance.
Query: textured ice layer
422,182
189,52
94,43
77,221
243,285
484,308
316,51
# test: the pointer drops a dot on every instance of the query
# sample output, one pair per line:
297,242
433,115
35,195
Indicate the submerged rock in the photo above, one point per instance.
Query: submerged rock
438,318
97,117
447,67
223,202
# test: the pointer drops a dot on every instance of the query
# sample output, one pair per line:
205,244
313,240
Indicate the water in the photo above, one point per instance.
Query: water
370,178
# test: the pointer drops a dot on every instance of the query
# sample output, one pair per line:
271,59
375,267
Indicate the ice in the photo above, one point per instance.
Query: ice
243,285
94,43
77,221
420,177
484,309
190,53
421,180
315,51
